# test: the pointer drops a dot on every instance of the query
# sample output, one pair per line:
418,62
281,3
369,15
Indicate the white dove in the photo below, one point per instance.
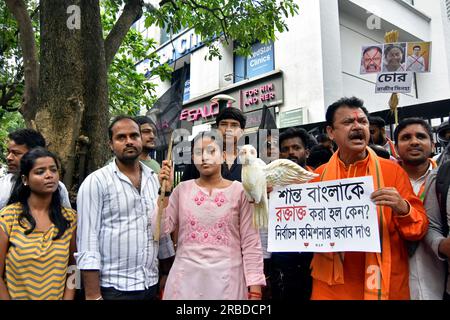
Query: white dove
257,176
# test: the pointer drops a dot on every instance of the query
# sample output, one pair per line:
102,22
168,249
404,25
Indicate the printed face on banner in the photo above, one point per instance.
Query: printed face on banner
394,57
329,216
418,58
372,56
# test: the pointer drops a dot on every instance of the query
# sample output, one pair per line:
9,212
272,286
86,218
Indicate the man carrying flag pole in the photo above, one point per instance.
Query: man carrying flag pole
166,116
165,113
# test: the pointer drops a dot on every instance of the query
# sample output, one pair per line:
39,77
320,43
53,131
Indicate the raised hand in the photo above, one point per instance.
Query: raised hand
166,174
391,198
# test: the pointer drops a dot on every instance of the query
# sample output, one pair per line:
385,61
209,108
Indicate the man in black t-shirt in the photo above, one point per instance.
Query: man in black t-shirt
231,123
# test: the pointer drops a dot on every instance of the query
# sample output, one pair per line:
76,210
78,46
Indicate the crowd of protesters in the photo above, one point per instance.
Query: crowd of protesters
209,248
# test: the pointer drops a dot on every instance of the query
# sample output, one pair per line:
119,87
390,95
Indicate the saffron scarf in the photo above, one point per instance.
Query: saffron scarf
393,151
329,267
421,194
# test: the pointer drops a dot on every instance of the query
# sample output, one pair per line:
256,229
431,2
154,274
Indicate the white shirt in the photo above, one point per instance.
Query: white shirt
417,183
7,184
114,232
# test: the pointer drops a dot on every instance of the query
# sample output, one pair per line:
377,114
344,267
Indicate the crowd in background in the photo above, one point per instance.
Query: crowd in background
209,248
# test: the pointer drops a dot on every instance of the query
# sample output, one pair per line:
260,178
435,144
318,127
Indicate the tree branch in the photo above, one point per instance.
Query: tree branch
8,92
35,11
163,2
223,20
18,78
30,58
131,11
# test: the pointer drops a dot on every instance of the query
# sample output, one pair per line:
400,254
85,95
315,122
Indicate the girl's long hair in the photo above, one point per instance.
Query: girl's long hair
21,193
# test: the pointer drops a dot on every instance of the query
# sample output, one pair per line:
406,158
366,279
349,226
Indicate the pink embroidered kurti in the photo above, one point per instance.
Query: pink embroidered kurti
219,251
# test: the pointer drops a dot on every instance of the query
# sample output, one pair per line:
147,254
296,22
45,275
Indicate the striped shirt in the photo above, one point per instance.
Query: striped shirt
114,229
36,265
7,184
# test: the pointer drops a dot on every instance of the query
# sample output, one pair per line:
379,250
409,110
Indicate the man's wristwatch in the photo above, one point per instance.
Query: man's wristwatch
166,194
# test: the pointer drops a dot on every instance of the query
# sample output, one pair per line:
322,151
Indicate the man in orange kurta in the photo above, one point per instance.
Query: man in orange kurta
401,216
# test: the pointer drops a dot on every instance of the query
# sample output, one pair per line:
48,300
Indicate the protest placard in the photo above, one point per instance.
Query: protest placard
396,57
394,82
329,216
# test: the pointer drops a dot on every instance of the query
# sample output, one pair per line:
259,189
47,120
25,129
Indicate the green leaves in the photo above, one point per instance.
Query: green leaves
9,121
242,21
11,64
129,90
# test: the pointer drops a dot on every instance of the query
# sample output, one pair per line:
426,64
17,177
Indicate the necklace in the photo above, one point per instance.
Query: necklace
138,187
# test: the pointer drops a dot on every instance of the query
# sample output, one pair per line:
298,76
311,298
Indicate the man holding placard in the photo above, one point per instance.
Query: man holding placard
401,216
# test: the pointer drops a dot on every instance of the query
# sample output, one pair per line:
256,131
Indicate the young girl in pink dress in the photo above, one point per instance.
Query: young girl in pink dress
219,254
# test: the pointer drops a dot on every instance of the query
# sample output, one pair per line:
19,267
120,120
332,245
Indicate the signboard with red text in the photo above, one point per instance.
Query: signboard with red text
328,216
251,96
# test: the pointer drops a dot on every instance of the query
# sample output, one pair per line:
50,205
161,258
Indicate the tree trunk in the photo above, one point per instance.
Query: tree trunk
96,116
71,106
73,85
30,59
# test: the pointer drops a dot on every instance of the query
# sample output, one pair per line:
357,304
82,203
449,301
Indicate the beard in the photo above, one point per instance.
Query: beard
12,170
148,149
128,157
415,162
300,161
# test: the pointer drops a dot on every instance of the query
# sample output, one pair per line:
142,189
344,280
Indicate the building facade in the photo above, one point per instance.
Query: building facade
313,64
